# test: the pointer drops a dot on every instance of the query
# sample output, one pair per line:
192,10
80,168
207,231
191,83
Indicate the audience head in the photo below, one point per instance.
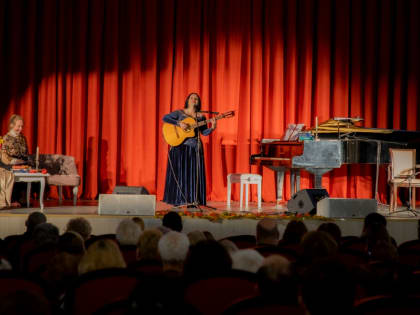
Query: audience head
380,245
294,232
318,245
128,232
373,219
46,233
81,226
101,254
247,260
33,220
205,259
328,288
147,246
5,265
209,236
140,222
72,243
229,246
173,221
275,280
332,229
196,236
173,249
267,232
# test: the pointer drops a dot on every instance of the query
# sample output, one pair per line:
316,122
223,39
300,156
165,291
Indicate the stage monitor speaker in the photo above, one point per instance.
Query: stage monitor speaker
346,208
117,204
305,200
130,190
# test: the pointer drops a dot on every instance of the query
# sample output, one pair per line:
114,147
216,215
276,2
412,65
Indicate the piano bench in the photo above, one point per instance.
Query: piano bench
244,179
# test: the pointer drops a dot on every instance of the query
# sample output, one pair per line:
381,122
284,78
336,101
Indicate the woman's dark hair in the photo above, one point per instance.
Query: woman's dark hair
198,107
172,220
294,232
207,259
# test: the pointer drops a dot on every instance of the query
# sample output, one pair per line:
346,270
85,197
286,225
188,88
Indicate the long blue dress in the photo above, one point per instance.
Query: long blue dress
182,167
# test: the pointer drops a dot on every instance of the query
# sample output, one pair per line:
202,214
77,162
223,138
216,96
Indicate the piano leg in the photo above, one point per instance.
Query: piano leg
297,181
280,182
318,180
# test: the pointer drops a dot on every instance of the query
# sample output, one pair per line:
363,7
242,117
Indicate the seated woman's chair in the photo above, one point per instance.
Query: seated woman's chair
401,173
63,172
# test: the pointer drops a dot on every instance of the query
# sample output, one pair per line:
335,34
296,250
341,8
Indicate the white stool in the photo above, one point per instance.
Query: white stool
244,179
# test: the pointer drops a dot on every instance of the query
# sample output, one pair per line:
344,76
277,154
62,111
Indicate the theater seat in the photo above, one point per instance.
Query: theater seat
214,295
129,253
147,267
36,261
242,241
11,282
384,305
95,289
116,308
257,305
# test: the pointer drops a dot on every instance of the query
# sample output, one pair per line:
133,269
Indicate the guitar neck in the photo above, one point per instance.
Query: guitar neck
205,122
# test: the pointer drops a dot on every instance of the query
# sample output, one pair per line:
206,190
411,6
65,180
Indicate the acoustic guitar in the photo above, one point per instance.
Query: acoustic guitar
174,135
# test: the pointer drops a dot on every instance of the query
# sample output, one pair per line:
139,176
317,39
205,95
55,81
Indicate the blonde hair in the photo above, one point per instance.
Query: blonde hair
101,254
13,119
147,246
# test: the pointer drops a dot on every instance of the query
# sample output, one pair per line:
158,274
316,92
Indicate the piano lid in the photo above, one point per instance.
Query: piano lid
347,125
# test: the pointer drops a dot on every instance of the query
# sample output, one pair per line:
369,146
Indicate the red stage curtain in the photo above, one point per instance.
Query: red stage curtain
93,79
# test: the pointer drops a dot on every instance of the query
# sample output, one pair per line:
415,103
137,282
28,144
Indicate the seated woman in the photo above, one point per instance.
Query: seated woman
14,151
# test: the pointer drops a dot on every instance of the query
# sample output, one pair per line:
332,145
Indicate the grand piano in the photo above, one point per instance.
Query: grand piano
336,142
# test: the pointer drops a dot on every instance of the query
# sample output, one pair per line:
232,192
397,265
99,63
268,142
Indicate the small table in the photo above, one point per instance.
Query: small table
29,178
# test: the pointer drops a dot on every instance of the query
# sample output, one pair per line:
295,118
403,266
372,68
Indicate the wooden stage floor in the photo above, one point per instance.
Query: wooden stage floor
402,225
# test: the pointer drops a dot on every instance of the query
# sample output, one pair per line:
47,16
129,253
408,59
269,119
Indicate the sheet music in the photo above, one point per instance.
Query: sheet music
292,132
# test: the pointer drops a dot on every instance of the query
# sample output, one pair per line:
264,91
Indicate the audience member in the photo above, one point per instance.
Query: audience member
128,232
102,254
72,243
45,234
172,220
229,246
81,226
267,232
196,236
206,259
293,233
5,265
33,220
247,260
140,222
209,236
373,219
147,246
317,245
173,249
276,281
333,230
328,288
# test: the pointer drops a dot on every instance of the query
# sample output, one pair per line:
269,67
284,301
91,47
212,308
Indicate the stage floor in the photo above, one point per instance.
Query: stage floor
402,224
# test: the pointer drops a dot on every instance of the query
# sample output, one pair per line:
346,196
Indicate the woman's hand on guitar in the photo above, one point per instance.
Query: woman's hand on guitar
183,126
213,123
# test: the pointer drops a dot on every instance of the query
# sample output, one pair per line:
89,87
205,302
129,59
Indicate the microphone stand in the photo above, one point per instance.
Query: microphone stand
196,204
409,208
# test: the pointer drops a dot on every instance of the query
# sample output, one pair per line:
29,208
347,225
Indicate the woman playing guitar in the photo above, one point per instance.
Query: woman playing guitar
185,173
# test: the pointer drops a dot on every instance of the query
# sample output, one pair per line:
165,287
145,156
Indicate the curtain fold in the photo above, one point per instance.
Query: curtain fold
93,79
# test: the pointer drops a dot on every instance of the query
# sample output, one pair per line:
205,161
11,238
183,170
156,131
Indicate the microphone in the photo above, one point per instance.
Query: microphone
208,112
